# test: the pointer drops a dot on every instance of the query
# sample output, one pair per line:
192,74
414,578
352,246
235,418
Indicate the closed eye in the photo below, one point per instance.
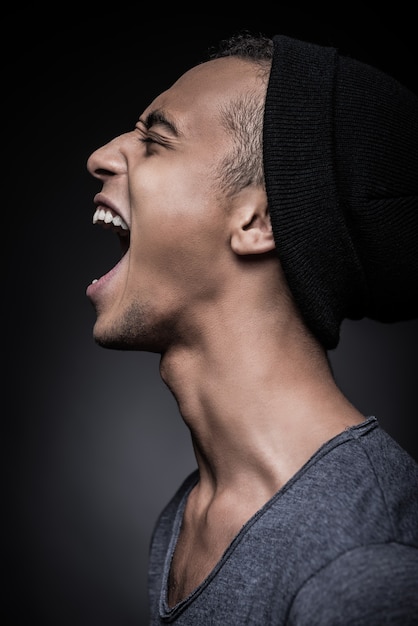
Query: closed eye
149,140
148,130
157,140
144,135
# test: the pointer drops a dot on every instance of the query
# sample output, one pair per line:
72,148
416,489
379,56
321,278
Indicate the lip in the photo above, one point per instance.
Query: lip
97,285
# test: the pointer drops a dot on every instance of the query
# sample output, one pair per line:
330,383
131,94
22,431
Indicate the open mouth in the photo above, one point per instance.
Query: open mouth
109,219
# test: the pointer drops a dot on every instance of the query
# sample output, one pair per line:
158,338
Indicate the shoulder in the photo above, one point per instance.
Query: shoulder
367,586
359,488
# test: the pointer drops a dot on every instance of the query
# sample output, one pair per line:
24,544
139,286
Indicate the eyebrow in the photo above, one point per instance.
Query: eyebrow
159,117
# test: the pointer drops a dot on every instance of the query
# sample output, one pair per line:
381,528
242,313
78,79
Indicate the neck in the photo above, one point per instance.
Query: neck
258,397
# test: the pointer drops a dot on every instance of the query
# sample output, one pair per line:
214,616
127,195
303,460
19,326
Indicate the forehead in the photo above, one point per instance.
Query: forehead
200,94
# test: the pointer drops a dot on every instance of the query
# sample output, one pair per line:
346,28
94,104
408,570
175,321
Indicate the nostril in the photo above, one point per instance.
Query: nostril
95,164
100,172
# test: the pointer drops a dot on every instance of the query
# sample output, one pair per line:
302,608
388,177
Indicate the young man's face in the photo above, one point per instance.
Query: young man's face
161,179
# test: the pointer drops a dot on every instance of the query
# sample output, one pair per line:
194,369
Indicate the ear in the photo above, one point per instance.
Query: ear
251,231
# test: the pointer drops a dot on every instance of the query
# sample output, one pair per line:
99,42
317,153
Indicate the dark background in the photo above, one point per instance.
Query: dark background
93,443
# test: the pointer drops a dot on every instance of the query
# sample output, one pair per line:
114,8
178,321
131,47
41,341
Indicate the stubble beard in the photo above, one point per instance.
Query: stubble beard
136,329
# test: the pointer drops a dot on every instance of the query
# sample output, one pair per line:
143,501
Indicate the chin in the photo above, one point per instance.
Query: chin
137,327
138,341
114,340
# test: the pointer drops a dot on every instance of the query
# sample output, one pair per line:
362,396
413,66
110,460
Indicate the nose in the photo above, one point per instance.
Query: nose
108,160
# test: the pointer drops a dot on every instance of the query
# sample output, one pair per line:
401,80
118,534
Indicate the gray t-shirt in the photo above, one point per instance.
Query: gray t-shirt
337,545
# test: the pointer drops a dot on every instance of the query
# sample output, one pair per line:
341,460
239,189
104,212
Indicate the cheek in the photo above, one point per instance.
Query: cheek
176,201
174,190
178,229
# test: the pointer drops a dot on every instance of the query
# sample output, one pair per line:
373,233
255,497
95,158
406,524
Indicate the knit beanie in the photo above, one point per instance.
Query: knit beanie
341,171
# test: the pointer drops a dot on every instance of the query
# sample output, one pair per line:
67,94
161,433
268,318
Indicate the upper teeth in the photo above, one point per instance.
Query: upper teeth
108,217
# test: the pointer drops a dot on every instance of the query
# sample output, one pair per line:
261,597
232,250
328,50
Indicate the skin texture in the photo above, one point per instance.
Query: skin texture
167,191
201,285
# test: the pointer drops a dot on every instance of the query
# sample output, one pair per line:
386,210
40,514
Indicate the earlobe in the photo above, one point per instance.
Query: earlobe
251,229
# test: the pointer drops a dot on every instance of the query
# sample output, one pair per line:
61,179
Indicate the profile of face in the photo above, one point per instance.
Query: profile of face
160,192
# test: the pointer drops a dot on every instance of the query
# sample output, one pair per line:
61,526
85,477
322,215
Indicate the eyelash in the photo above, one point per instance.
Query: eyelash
149,138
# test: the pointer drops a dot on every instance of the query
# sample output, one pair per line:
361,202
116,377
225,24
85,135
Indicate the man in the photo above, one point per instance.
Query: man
268,194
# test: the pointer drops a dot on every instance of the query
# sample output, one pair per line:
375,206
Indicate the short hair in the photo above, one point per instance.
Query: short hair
244,119
256,48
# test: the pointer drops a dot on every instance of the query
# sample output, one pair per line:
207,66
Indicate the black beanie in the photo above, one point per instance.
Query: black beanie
341,171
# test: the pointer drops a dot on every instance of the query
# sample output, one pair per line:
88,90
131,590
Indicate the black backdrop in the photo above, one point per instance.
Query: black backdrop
93,443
